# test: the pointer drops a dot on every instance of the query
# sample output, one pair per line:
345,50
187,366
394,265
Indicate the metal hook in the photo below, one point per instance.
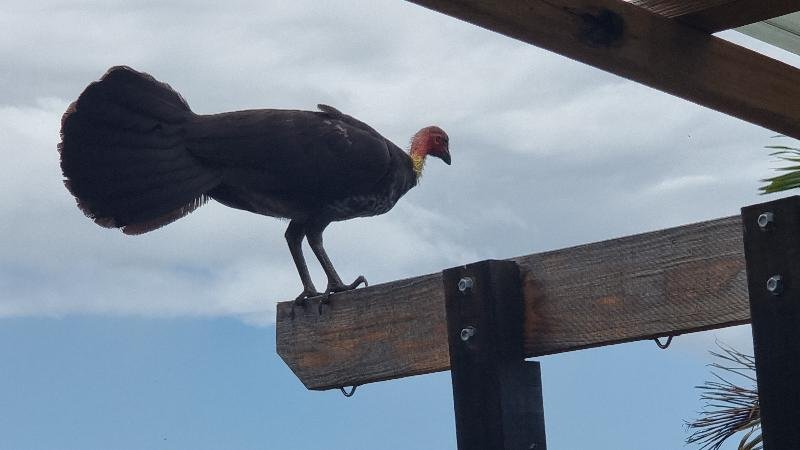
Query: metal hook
664,345
352,391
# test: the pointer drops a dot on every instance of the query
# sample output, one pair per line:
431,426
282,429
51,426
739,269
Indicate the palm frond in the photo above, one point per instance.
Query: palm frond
788,180
729,409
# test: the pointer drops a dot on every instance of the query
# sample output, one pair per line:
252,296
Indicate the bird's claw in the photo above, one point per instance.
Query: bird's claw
360,280
334,288
305,295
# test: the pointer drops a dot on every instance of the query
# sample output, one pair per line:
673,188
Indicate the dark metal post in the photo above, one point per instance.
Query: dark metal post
772,251
497,394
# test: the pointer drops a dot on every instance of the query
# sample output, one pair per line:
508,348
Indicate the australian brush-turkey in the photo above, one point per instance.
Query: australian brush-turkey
136,157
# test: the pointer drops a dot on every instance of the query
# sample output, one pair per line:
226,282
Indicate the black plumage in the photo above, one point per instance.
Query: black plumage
136,157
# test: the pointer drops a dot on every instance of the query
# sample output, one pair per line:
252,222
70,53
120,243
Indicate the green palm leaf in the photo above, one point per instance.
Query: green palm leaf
729,409
789,180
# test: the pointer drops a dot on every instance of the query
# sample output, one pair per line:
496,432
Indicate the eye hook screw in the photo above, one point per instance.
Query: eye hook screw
665,345
349,394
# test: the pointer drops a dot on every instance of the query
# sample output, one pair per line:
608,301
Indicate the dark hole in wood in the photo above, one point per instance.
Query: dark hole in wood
602,29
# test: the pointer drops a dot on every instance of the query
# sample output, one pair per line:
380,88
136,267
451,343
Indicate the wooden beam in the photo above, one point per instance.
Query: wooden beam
680,8
667,282
634,43
712,16
377,333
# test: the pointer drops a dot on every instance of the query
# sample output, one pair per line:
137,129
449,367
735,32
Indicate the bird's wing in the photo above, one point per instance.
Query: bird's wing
312,153
334,113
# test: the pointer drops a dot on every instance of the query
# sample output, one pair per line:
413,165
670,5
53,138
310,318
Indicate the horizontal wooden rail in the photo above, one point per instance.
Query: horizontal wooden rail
645,47
667,282
717,15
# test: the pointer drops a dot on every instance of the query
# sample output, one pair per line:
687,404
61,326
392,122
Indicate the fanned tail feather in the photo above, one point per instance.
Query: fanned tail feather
123,153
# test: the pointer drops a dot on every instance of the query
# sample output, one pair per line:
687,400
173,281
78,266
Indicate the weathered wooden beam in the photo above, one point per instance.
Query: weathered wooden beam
717,15
377,333
637,44
667,282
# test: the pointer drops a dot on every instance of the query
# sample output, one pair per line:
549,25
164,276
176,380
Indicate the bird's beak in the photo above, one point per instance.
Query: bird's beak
445,156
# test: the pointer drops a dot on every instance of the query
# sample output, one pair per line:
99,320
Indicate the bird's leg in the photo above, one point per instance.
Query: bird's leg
294,237
314,235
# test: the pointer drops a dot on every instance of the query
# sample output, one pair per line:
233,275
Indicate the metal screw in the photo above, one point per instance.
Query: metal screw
774,285
467,333
765,219
465,285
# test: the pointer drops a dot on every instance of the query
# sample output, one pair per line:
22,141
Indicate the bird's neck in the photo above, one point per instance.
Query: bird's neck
417,163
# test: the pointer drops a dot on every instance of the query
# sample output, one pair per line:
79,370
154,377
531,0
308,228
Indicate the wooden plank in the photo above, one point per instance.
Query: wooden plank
497,395
775,250
673,281
634,43
669,282
712,16
680,8
366,335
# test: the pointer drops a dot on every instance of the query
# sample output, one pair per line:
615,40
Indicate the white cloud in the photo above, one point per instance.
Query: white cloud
682,182
546,152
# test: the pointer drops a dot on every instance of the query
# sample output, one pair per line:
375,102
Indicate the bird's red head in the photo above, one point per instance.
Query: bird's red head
431,141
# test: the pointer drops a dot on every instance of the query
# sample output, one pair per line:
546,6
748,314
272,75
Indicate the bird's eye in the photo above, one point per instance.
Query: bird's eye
438,139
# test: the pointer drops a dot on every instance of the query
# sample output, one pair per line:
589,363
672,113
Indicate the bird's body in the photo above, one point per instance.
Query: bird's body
355,171
136,157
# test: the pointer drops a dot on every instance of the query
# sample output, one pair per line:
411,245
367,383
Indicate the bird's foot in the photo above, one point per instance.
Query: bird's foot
341,287
305,295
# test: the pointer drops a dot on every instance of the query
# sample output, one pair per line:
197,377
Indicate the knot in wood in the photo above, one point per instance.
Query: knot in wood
603,28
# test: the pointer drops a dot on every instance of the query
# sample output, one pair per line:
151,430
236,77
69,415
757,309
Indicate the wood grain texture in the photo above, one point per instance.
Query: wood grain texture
717,15
634,43
680,8
366,335
673,281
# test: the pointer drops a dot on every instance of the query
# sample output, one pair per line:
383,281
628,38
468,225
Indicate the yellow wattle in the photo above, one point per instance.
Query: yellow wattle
418,163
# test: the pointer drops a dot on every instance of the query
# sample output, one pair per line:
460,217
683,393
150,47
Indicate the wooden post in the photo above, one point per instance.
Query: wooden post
496,393
772,253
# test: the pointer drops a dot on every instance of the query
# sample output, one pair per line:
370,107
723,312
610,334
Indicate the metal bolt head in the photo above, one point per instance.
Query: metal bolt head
465,285
775,284
467,333
765,220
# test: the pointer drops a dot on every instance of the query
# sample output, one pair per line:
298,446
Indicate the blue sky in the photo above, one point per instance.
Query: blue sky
166,340
126,383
